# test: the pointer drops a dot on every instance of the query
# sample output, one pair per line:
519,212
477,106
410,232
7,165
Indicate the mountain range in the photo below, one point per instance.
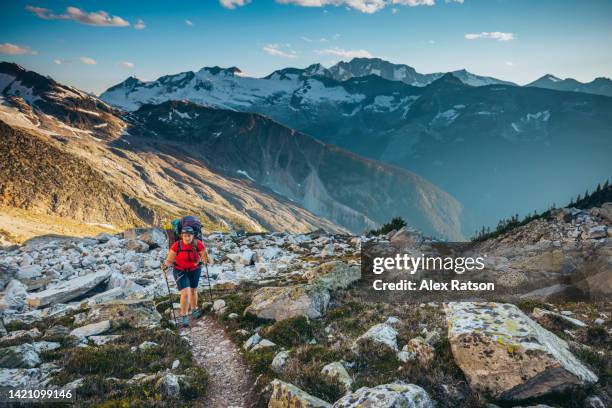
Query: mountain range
598,86
499,149
95,163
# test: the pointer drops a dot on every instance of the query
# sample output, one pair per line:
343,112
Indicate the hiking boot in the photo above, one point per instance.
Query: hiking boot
185,321
196,314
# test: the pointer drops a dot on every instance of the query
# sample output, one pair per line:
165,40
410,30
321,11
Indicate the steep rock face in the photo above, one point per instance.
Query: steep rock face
37,175
506,355
330,182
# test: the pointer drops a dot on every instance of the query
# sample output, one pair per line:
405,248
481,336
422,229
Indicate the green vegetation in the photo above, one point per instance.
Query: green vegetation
395,224
290,332
599,196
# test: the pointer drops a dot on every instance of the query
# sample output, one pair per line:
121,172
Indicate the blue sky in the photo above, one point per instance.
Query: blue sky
510,39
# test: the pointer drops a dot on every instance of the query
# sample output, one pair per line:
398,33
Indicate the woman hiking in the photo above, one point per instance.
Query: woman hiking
187,255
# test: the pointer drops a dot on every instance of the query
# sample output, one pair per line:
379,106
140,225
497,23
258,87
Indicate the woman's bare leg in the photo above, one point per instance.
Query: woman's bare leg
193,298
184,310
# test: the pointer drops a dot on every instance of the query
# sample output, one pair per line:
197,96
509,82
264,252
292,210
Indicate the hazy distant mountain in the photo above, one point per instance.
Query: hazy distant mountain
598,86
499,149
237,170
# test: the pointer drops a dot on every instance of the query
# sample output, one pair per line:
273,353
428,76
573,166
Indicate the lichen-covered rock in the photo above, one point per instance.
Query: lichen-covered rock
27,377
278,303
381,333
285,395
279,361
337,371
421,350
394,395
333,275
91,329
169,385
68,290
21,356
508,356
136,312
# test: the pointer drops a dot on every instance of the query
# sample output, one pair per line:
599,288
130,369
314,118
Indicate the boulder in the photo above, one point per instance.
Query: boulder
29,378
597,231
101,340
605,212
381,333
247,257
263,343
279,361
278,303
394,395
169,385
336,371
333,275
68,290
251,342
135,312
508,356
285,395
154,237
542,316
421,350
92,329
29,272
137,245
21,356
15,296
218,306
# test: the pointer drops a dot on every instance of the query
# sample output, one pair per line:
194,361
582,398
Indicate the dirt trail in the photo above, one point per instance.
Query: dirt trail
230,383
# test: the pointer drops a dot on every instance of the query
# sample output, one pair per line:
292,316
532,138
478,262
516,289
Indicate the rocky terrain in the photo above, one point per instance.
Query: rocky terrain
93,315
235,170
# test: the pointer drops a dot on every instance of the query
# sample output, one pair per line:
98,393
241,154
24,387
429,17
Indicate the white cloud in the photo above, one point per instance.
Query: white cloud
342,53
87,61
394,10
232,4
509,63
126,64
189,23
14,49
365,6
83,60
277,51
95,18
139,25
495,35
307,39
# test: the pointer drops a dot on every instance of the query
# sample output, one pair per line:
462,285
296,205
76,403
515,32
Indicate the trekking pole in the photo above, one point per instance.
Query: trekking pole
170,297
208,278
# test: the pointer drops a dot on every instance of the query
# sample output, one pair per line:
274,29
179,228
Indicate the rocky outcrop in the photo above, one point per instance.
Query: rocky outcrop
68,290
394,395
285,395
508,356
278,303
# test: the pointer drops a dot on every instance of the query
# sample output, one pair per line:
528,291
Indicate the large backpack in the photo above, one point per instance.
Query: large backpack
177,226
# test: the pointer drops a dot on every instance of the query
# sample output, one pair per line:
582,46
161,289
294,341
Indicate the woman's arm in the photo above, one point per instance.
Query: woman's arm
204,255
170,259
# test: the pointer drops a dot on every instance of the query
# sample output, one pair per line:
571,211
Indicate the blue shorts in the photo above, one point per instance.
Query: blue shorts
187,279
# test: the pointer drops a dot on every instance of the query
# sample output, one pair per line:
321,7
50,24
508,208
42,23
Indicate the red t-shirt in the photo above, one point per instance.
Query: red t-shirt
184,258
